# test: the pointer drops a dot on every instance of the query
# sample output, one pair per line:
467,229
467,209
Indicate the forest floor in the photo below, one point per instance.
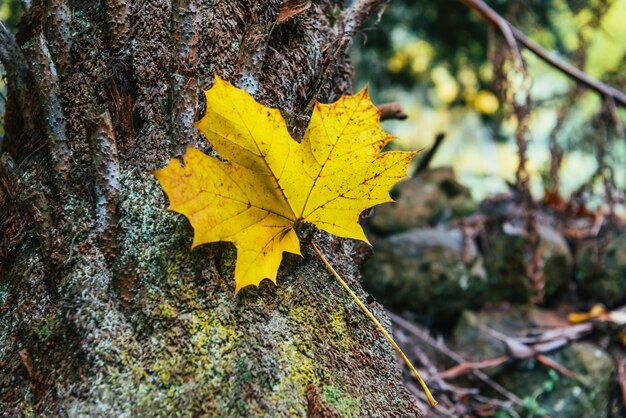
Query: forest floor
488,341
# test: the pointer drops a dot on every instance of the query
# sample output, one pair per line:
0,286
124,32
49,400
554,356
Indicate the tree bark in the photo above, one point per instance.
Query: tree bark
104,308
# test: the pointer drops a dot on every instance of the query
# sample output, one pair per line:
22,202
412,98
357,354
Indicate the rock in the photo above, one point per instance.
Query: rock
507,258
543,390
602,274
423,270
433,197
562,397
474,344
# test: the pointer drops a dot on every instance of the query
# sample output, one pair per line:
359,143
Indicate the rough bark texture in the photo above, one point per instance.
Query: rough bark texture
104,308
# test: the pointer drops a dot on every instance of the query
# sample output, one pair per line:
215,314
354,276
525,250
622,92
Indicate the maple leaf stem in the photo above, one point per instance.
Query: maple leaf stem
431,400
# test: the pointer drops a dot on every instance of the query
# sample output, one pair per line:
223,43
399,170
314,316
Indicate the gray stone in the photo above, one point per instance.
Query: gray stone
475,344
543,390
433,197
508,257
603,273
424,270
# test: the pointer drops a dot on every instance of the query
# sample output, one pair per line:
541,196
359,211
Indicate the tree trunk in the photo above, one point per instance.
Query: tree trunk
104,308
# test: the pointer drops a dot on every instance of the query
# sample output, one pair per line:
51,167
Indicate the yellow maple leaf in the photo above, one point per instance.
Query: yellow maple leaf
269,182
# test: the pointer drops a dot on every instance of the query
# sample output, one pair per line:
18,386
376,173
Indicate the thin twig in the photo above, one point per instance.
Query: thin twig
425,161
392,110
423,358
464,368
382,329
578,75
441,410
496,402
552,364
570,333
442,348
502,24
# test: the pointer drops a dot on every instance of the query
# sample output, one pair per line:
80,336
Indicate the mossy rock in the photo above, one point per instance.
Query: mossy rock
433,197
508,256
424,270
544,392
602,274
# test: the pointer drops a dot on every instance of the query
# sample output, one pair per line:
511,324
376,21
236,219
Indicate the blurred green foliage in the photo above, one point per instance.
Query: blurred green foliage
435,58
10,13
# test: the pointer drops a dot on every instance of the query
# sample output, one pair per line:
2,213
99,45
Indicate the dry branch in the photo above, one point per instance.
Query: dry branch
466,367
443,349
579,76
428,157
392,110
548,362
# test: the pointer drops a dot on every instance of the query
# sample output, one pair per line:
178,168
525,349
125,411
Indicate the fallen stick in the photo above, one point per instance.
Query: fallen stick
442,348
469,366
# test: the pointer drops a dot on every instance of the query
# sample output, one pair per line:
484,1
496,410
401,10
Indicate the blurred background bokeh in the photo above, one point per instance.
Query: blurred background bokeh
439,59
492,256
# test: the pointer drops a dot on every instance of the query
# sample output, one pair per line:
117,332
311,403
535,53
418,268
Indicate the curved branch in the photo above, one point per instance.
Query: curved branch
576,74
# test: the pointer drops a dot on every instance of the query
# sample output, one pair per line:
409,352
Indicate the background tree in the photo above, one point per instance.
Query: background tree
104,309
